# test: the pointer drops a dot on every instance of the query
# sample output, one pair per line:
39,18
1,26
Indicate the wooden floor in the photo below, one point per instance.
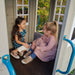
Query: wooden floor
36,67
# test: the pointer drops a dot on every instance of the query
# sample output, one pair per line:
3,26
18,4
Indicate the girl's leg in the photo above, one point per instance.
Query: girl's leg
33,55
21,53
22,49
14,53
29,58
31,50
27,54
35,43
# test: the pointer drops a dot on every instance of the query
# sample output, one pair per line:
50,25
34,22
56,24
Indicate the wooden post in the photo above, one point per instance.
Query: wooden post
51,10
4,49
10,17
32,19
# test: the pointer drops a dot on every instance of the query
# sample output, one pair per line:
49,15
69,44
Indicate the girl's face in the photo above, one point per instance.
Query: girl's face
22,25
47,33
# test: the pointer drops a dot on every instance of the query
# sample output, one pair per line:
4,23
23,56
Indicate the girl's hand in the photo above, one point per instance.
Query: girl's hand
37,47
26,45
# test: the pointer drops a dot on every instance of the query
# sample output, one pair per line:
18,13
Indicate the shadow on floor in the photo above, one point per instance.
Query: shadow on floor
36,67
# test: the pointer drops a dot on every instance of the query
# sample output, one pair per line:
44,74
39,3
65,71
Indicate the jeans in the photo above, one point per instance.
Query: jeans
33,55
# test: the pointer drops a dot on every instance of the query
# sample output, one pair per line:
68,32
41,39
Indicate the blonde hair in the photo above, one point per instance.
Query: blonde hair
53,27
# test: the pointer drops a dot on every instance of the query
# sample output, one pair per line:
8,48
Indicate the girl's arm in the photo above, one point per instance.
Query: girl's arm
22,43
50,45
25,39
17,41
26,42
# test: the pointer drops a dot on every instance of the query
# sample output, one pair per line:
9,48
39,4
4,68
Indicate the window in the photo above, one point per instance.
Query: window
59,11
22,9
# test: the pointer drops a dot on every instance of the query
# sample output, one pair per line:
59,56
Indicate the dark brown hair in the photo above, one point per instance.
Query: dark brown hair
15,30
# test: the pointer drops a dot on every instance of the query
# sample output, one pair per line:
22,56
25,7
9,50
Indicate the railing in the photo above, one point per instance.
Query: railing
71,58
6,61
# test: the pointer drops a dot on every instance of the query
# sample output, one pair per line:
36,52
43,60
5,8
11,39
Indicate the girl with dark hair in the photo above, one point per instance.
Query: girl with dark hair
19,37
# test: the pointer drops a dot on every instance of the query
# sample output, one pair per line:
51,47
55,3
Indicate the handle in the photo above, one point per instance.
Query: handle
38,21
71,58
6,61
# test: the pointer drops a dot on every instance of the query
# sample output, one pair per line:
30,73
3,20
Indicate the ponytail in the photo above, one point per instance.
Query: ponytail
56,34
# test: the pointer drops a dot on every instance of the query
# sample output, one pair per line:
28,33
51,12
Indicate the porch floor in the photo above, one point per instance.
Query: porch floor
36,67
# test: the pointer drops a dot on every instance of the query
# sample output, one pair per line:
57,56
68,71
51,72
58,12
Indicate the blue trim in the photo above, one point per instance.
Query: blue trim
38,21
31,50
71,58
8,65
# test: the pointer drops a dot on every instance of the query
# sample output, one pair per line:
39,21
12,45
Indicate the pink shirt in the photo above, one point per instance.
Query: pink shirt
48,47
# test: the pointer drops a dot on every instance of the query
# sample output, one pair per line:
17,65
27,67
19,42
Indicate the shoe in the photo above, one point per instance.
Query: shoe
21,53
15,55
27,54
27,60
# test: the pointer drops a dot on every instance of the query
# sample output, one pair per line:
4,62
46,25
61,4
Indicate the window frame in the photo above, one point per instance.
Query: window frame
22,5
59,14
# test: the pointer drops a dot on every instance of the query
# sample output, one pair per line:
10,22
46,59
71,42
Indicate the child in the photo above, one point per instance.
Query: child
45,47
19,37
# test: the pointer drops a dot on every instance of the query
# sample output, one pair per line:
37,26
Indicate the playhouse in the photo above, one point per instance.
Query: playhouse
65,56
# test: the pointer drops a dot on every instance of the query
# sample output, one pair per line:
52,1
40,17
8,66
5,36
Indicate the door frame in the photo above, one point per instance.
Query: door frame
61,35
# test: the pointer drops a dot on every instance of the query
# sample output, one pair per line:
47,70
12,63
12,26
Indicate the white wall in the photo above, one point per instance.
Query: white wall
10,7
64,52
4,49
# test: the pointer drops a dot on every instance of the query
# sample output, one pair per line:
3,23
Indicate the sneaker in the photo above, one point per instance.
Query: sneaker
21,53
27,54
15,55
27,60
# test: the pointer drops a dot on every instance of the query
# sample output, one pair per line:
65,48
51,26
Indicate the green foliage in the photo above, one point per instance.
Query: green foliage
71,73
43,11
25,1
57,9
